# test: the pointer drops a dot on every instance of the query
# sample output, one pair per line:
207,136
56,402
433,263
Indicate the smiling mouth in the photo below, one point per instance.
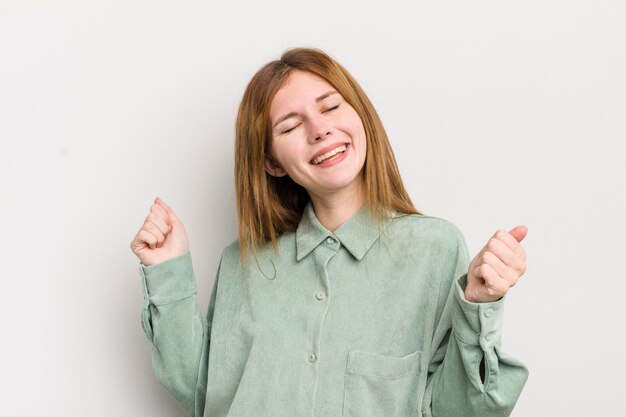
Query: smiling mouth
316,161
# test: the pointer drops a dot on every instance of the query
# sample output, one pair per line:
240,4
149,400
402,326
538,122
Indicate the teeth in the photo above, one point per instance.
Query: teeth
327,155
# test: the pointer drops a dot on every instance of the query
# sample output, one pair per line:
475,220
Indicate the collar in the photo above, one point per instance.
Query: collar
357,234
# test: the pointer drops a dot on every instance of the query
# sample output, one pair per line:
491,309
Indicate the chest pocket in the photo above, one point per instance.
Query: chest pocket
381,386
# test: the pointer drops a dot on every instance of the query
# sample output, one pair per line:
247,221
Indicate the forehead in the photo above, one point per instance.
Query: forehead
300,88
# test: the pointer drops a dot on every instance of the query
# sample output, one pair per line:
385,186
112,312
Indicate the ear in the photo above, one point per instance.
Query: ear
273,168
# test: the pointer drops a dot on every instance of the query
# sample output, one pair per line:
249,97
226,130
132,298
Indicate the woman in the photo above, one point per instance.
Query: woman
361,306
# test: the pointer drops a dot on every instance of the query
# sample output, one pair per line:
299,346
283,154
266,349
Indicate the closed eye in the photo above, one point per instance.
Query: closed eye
290,129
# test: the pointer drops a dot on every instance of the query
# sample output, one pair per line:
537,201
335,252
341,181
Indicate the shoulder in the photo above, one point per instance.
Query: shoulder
424,228
232,248
230,254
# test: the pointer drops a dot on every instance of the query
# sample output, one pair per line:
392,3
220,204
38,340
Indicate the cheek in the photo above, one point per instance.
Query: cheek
286,154
358,133
361,141
356,125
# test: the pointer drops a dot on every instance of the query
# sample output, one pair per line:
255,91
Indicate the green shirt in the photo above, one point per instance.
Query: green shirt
347,323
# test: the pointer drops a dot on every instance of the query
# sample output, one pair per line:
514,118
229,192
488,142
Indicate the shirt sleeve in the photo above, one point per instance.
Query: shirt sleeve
178,332
464,334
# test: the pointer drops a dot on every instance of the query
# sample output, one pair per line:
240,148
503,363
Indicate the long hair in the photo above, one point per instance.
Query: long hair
269,206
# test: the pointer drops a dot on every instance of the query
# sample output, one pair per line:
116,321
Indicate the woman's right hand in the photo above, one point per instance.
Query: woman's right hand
161,237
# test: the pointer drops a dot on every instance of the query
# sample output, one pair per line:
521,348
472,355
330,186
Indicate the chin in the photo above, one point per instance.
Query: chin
338,183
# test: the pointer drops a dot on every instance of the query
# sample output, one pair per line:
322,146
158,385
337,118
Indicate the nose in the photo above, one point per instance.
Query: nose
319,129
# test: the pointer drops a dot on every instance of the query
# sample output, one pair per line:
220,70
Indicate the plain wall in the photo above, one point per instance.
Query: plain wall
500,113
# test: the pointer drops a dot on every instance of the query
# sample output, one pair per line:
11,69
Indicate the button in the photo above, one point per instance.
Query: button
330,240
312,357
489,336
320,295
488,313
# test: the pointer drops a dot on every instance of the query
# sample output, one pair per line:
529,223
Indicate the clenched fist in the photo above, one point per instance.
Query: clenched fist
161,237
497,267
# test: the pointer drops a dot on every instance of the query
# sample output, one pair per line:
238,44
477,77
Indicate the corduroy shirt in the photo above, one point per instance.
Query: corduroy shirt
348,323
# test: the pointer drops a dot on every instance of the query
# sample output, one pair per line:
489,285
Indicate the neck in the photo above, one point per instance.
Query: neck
334,209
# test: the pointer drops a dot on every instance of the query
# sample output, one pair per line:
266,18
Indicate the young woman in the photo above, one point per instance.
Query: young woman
338,298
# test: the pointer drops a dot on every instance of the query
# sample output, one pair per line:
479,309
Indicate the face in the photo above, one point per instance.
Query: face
308,118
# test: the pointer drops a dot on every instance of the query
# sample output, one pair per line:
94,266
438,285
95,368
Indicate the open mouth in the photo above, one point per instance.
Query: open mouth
334,155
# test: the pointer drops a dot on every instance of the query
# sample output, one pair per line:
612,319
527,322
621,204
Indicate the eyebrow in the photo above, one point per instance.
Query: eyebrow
293,113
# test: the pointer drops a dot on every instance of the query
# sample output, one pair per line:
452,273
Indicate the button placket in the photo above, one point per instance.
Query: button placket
323,255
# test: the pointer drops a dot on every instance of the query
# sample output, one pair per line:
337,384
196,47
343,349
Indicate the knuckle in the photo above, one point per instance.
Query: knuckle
500,233
492,244
484,258
146,236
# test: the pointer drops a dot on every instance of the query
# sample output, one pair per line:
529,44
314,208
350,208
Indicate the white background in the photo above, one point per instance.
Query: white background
500,113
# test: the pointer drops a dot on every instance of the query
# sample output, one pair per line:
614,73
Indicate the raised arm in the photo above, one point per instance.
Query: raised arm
465,335
171,319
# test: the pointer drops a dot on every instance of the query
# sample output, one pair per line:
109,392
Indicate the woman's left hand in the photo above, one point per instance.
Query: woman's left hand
497,267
